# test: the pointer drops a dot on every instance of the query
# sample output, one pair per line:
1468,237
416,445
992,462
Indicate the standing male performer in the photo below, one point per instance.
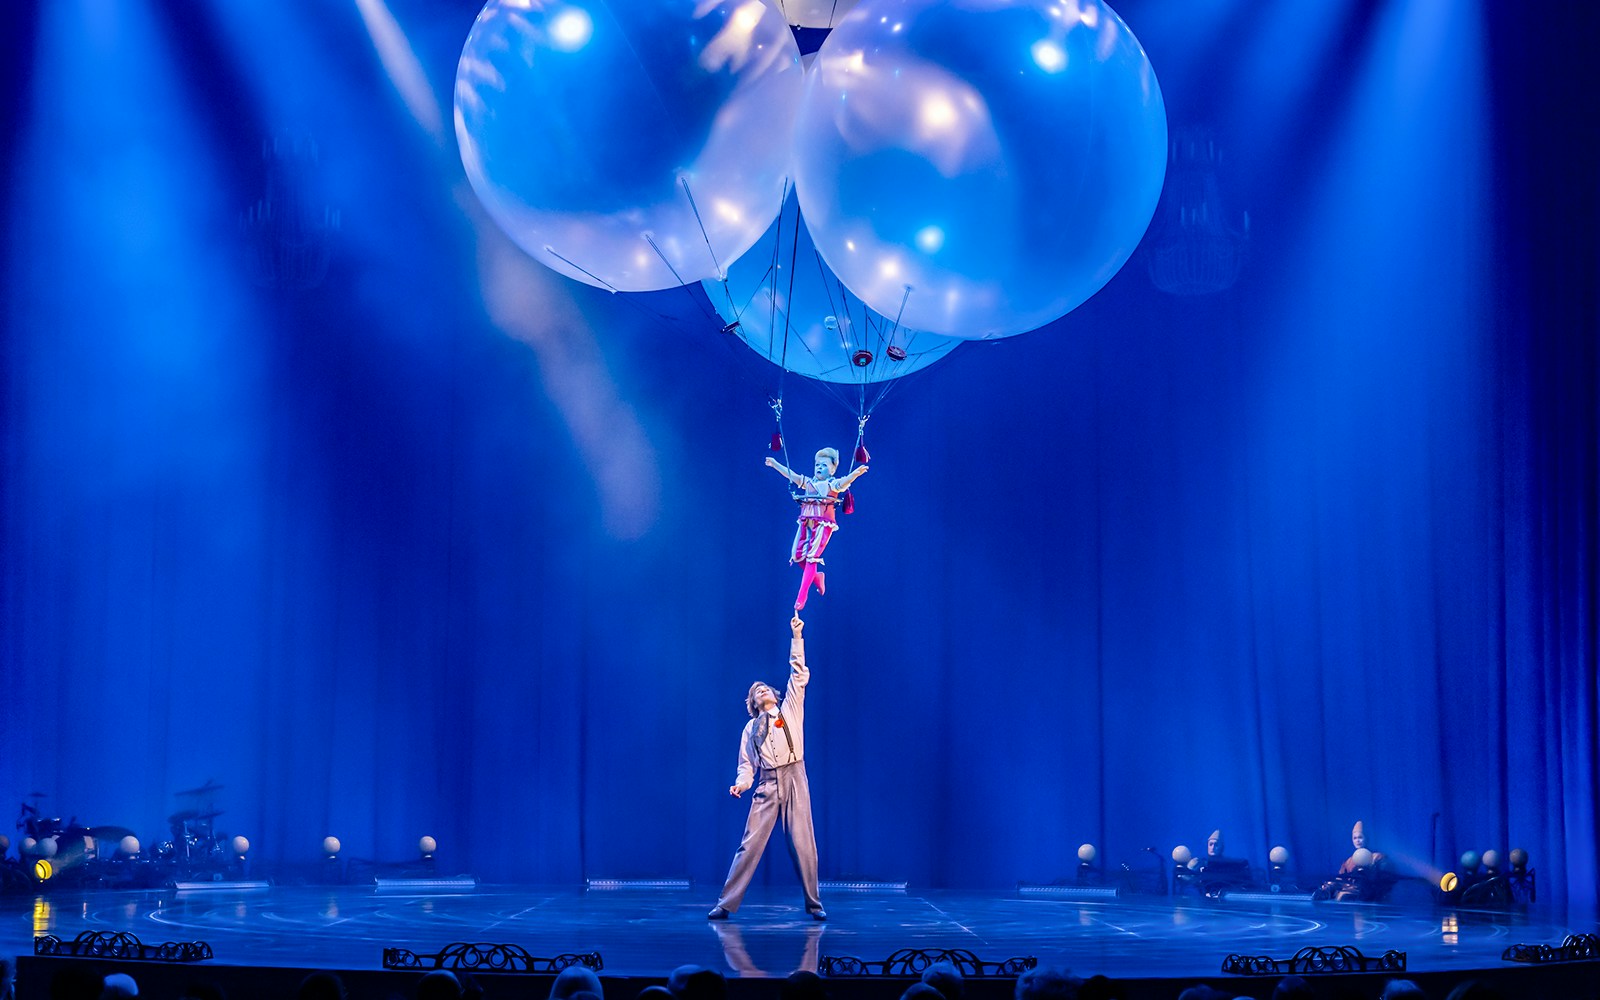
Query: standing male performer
773,744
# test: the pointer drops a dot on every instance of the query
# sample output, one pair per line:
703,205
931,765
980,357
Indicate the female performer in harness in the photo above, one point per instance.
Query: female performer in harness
819,494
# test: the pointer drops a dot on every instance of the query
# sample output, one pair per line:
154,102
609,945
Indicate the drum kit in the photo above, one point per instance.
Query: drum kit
194,837
195,840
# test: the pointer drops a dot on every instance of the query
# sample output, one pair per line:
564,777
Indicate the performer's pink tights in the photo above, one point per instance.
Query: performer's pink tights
811,575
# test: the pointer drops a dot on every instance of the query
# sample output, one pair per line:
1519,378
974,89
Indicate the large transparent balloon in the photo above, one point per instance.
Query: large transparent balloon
999,158
792,311
630,144
814,13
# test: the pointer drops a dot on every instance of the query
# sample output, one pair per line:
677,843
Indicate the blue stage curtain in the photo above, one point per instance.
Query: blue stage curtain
1317,549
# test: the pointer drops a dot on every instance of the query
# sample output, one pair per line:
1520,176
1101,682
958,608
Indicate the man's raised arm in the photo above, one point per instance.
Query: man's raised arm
799,673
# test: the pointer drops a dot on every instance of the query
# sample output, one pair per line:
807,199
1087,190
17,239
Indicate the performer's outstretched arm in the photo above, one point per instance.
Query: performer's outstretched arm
792,476
799,673
844,484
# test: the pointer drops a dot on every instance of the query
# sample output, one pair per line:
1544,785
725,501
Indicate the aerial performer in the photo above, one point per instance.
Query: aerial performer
772,759
819,495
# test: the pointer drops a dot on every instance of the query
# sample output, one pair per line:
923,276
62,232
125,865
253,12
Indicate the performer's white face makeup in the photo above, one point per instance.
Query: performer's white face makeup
766,699
1214,845
824,468
1358,839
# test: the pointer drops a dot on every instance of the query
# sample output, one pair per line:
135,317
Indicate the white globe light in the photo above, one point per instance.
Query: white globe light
1087,853
1181,854
427,845
1469,860
47,847
240,845
330,846
129,845
1362,858
1278,855
1491,859
28,845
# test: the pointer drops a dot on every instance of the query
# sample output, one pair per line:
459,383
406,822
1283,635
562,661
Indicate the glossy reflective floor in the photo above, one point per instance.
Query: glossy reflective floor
651,932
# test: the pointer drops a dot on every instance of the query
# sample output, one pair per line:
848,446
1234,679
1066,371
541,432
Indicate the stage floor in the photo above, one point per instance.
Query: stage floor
648,933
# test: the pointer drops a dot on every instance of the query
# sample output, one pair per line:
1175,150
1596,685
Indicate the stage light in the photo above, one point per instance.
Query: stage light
330,847
1448,882
42,870
1087,853
1519,859
240,845
1469,861
427,845
129,846
1278,855
1491,860
1181,855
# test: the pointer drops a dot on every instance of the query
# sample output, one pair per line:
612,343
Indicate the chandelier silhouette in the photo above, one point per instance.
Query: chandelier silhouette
290,234
1198,246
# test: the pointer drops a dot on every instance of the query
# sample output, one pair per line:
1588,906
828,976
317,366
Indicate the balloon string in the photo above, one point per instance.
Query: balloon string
551,251
683,180
794,250
652,241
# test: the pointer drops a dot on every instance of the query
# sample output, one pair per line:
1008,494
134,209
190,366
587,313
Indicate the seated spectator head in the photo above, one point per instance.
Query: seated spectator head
1402,989
119,986
1047,983
679,978
944,977
1100,988
705,984
655,992
1292,988
803,985
1202,992
320,986
575,979
921,991
1475,989
440,984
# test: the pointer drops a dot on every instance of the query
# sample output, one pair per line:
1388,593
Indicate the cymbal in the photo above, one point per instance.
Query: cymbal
205,789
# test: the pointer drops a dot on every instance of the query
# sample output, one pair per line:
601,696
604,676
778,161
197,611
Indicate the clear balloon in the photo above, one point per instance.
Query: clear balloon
814,13
791,310
1000,159
630,144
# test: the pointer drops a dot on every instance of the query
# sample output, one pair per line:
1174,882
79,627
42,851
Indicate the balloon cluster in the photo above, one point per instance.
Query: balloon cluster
966,169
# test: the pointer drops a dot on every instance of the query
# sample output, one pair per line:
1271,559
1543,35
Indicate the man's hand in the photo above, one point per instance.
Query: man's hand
795,625
737,790
772,463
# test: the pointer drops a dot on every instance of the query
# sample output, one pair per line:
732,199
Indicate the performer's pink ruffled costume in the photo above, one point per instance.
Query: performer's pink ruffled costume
818,497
